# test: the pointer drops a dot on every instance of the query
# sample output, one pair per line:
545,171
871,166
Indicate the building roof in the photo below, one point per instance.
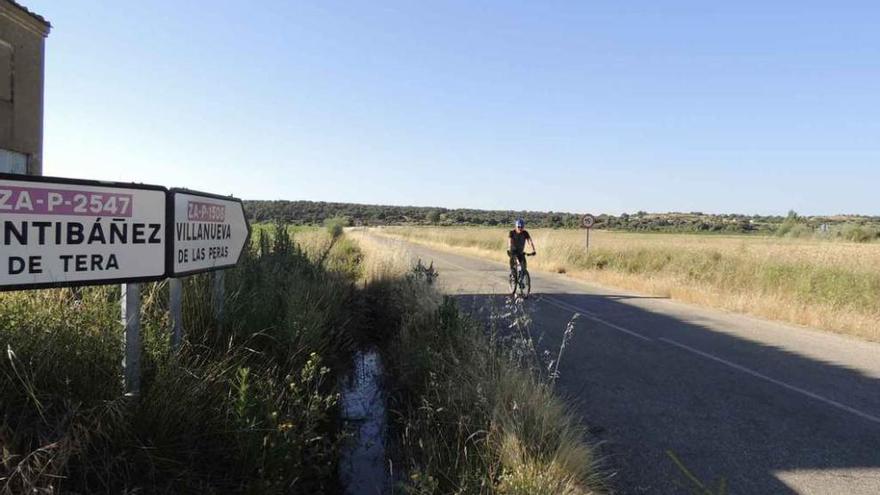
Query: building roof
36,16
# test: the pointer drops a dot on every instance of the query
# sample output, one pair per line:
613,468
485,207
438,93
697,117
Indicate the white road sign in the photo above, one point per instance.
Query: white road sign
209,232
589,221
62,232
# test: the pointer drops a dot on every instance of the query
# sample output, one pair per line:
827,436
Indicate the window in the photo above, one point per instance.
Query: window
6,71
12,162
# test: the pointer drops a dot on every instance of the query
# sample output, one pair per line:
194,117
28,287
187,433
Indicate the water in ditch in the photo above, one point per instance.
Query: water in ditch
362,464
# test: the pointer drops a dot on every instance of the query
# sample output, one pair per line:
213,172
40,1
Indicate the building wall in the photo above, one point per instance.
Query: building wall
22,40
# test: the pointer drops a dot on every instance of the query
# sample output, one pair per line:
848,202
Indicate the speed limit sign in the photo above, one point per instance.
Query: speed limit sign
589,221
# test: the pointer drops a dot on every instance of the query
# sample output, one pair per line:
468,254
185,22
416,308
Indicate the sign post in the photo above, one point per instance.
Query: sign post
58,232
209,233
131,321
66,233
175,310
218,285
588,223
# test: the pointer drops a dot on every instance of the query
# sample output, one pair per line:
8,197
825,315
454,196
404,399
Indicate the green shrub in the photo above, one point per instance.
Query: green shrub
858,233
794,228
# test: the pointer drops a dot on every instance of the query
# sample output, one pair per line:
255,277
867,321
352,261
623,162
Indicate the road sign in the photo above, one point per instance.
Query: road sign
58,232
588,221
208,232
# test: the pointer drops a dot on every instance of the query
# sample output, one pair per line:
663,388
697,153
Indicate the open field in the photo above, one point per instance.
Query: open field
824,284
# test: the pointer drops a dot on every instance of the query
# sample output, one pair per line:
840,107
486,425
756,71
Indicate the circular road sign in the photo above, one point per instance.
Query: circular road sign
589,221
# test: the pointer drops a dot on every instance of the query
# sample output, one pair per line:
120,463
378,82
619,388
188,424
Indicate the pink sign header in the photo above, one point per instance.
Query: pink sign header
43,201
197,211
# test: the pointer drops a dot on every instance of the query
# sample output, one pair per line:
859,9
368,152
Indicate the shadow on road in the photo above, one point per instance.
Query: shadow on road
649,396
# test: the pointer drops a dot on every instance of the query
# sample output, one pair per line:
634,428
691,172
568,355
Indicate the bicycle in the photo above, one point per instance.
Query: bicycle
519,278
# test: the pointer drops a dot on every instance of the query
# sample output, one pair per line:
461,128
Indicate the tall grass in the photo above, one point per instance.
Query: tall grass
327,247
824,284
472,410
382,261
248,404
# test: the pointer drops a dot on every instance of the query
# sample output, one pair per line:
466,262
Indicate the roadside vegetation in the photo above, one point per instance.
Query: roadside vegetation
250,402
472,403
808,281
247,405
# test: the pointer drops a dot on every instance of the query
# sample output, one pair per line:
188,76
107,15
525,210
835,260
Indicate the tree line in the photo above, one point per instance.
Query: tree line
351,214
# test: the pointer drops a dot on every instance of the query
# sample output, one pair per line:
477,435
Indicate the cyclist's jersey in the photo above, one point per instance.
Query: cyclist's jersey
519,240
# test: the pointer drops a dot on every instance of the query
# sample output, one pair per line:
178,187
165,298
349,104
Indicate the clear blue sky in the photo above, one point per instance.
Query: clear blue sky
744,106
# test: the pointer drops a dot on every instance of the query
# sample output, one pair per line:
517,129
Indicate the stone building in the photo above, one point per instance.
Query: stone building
22,41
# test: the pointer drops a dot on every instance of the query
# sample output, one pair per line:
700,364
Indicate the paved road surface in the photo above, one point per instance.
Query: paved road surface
771,408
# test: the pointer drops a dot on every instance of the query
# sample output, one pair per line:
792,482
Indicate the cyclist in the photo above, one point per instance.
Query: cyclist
518,238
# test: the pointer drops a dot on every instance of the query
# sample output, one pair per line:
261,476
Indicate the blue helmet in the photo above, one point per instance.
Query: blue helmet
520,223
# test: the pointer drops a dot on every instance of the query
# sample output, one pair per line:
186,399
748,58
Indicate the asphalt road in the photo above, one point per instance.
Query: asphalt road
770,408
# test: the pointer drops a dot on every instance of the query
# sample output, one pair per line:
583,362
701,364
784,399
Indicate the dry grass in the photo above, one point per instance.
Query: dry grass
382,261
823,284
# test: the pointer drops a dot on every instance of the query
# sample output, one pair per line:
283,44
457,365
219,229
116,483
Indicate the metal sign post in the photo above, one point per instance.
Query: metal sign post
131,321
175,310
66,232
59,232
588,222
210,233
219,294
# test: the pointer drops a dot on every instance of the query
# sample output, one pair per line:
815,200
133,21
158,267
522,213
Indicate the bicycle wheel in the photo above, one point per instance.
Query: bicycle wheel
513,283
525,286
